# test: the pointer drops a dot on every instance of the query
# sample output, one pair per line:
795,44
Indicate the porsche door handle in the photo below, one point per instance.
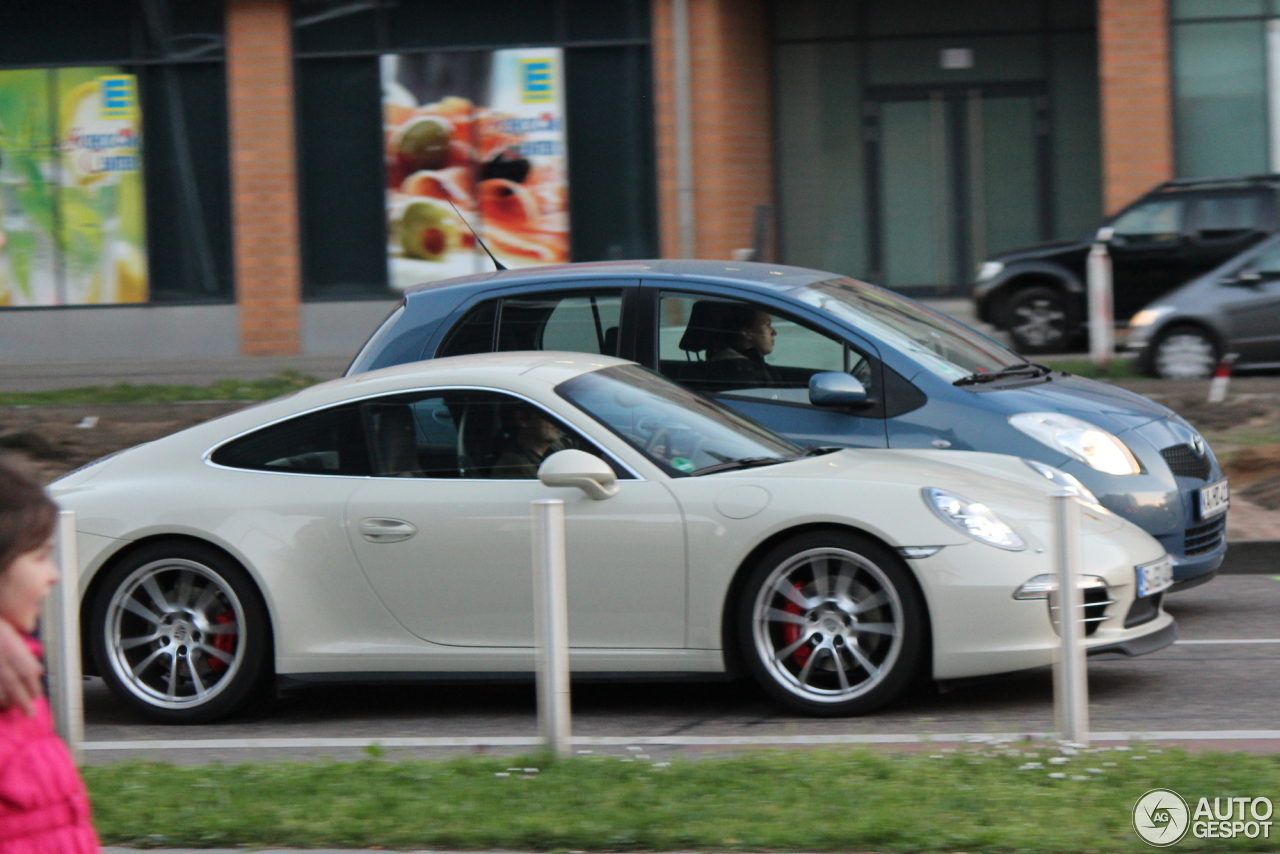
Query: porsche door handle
386,530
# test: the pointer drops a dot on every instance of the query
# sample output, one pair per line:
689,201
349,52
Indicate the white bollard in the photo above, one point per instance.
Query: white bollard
551,623
1102,333
1071,675
60,635
1222,378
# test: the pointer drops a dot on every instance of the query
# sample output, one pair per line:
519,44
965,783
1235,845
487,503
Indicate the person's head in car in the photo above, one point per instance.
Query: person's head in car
530,437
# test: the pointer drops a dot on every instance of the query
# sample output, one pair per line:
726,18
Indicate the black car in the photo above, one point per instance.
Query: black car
1177,231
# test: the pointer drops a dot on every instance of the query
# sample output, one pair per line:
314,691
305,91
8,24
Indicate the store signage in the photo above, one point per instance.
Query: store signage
73,226
474,140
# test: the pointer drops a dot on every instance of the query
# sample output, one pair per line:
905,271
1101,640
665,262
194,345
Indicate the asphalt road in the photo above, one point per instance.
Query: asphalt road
1188,686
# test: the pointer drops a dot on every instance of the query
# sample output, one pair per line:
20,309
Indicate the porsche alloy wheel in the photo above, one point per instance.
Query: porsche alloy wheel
179,633
833,624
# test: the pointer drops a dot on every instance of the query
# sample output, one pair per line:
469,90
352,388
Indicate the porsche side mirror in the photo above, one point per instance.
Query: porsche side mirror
578,468
833,388
1105,234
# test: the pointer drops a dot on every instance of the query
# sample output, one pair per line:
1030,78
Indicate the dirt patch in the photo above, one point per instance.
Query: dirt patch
58,439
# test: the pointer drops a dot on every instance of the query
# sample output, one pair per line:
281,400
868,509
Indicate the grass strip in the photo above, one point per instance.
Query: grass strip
282,383
984,798
1116,369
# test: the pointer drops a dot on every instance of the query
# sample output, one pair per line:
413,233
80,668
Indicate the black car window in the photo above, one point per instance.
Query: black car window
581,323
578,322
464,434
715,345
1227,215
1268,262
328,442
1158,221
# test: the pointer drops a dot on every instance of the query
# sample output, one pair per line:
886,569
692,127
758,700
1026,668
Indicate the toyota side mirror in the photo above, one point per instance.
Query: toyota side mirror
1104,234
833,388
578,468
1245,279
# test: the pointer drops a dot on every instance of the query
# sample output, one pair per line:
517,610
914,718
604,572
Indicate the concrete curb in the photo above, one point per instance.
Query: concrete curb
1252,557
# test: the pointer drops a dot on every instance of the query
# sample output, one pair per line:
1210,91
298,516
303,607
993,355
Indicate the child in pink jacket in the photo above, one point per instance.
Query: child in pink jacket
44,807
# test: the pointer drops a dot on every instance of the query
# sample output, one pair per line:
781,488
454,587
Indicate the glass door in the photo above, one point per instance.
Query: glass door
956,174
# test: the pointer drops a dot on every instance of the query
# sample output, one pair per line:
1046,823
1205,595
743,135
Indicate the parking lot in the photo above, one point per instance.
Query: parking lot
1219,686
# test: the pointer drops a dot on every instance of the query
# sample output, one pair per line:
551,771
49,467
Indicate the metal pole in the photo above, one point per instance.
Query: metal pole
60,635
1102,333
684,128
1071,677
551,626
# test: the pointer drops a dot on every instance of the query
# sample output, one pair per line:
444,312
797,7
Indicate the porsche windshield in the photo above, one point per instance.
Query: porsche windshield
947,348
680,431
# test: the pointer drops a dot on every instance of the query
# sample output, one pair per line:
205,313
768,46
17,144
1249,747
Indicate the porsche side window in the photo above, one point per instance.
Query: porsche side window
580,323
724,346
463,434
328,442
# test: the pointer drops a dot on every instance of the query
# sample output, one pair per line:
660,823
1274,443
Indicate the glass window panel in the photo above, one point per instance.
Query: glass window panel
188,181
68,31
821,172
918,61
344,236
1268,261
584,323
915,203
1221,216
905,17
180,28
591,20
1188,9
811,19
1074,13
473,334
1219,84
326,442
1076,145
719,346
1153,222
486,22
334,25
1003,174
612,193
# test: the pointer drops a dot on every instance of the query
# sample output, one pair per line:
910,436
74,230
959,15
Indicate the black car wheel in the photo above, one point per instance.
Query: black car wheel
179,632
1184,353
830,623
1040,319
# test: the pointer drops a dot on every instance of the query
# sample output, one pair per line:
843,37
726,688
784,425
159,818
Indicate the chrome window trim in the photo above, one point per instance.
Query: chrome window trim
206,457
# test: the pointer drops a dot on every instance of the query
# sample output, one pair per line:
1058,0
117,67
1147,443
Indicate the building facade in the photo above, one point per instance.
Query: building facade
260,177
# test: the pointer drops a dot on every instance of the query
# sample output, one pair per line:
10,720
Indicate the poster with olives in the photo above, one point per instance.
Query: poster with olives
72,223
474,138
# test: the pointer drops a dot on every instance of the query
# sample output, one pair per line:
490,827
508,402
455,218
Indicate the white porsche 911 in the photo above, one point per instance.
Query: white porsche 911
380,526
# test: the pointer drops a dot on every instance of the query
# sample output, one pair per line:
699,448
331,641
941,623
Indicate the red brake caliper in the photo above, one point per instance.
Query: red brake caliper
791,633
224,642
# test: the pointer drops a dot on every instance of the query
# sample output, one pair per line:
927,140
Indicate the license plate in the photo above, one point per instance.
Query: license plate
1214,499
1155,576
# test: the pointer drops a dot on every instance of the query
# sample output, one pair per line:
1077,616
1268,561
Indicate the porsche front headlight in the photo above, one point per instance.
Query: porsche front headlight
1079,440
973,519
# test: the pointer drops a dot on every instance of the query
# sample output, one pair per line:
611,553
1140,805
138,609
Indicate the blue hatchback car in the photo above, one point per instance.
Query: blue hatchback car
828,360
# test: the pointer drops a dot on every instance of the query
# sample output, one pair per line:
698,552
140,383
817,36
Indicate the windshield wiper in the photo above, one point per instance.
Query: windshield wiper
744,463
1028,369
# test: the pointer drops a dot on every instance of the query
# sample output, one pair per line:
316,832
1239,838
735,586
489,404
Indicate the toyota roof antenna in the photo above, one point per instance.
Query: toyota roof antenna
496,262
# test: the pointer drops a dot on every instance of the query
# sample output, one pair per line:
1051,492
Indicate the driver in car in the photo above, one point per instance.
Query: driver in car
530,439
746,337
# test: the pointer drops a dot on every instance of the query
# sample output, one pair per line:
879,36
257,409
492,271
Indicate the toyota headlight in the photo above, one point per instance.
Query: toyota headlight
973,519
1148,316
989,270
1062,479
1079,440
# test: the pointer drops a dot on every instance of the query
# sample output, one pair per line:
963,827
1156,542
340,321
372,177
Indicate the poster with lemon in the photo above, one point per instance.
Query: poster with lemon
73,229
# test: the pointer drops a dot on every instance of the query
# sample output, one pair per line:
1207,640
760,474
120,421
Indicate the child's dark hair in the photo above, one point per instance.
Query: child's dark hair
27,515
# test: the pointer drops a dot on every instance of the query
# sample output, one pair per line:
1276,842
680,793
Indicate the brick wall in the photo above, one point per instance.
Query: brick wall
1137,126
263,179
732,122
